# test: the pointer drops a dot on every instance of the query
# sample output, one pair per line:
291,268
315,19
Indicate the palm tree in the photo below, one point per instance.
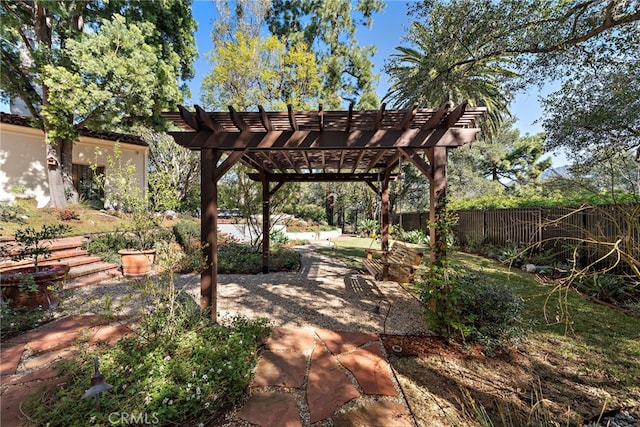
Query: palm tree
433,73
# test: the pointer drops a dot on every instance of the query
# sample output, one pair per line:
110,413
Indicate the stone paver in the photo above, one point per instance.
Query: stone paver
291,339
378,414
55,341
328,386
109,334
284,369
367,396
370,368
45,359
341,341
268,409
10,359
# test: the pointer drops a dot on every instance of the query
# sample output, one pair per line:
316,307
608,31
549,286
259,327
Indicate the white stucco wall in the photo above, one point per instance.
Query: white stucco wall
23,163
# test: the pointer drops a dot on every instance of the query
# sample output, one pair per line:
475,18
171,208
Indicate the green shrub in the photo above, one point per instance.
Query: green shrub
472,309
285,260
107,245
604,287
311,213
12,213
414,236
235,258
186,232
278,237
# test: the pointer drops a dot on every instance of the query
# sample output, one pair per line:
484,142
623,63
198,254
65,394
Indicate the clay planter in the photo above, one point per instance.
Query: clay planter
48,279
136,263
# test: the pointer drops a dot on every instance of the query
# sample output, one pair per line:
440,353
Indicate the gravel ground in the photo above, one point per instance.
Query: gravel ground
324,294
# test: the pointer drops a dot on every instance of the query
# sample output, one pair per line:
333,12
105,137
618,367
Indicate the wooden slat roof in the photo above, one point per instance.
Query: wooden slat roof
328,145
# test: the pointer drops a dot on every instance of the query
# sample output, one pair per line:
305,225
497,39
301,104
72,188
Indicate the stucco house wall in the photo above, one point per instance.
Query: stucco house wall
23,159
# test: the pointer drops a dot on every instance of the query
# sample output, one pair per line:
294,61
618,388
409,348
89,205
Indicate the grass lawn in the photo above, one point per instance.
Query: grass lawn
578,359
88,220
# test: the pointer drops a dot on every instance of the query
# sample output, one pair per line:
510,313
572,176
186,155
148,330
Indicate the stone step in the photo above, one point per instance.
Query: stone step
84,270
92,279
88,269
73,261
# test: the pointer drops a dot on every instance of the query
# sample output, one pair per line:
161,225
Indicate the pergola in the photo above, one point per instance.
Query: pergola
303,146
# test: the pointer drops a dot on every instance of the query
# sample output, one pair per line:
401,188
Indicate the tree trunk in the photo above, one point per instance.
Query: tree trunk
59,173
54,174
71,195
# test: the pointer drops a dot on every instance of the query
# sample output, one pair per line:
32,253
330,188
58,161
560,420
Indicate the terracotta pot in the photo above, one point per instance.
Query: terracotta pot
48,279
137,263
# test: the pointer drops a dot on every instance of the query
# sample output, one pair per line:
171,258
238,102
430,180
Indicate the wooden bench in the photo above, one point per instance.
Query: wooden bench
399,264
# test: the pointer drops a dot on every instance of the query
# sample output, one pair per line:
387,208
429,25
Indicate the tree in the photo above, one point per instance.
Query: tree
510,44
102,65
248,72
541,39
171,166
596,114
424,73
328,27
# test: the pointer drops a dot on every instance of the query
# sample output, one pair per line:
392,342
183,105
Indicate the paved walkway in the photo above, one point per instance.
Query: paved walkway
304,376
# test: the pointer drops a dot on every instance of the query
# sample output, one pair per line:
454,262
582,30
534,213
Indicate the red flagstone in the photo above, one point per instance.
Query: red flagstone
371,369
47,358
284,369
14,396
109,334
340,341
271,409
382,413
10,356
291,339
328,387
39,375
54,341
60,326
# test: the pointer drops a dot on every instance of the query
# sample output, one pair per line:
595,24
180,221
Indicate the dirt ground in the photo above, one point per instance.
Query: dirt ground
448,385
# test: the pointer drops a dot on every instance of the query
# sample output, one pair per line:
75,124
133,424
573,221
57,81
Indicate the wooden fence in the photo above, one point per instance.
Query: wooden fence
560,230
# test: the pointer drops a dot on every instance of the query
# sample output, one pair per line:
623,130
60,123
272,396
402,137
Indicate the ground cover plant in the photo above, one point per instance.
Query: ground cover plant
176,368
578,359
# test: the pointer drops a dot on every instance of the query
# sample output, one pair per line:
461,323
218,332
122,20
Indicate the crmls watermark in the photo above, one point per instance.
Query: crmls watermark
137,418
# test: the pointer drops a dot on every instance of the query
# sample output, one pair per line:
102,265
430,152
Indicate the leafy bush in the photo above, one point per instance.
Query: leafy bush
472,309
607,288
186,232
368,227
414,236
310,212
285,260
107,245
236,258
178,368
278,237
12,213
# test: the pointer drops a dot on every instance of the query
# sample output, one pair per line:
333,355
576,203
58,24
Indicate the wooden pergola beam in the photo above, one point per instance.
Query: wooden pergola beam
319,177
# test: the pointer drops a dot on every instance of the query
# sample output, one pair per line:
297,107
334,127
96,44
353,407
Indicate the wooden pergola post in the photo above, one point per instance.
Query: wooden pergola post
209,231
384,208
437,199
266,199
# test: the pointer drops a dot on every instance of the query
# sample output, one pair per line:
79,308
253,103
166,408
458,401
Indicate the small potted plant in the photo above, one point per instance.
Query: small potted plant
138,259
32,285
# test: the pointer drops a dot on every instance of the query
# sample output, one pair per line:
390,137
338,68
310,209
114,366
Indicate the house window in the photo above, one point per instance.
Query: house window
86,185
